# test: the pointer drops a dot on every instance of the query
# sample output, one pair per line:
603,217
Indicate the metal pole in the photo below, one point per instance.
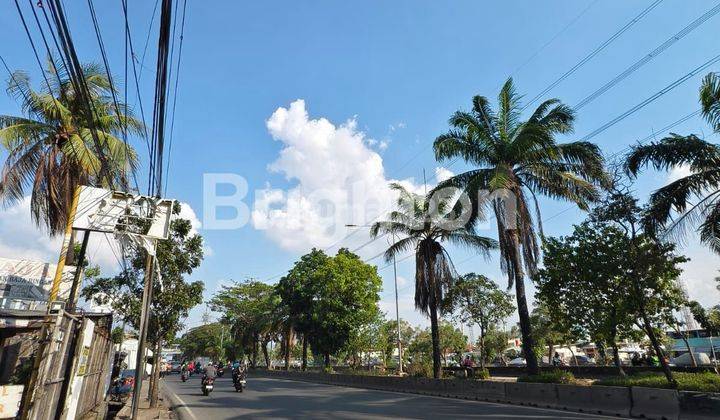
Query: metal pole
397,316
79,268
144,320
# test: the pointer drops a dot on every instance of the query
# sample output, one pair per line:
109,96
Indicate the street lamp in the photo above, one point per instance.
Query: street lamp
397,306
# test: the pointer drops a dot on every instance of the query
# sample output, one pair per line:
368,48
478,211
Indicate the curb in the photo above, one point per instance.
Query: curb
175,403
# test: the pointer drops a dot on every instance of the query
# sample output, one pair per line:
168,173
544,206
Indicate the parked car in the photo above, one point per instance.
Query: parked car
518,361
581,360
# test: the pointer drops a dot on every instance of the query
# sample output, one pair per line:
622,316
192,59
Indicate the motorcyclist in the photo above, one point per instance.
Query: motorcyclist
210,372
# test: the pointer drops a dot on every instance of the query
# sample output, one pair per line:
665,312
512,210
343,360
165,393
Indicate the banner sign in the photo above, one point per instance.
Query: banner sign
27,280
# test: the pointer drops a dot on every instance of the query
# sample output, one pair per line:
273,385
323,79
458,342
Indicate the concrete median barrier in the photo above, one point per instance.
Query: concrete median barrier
699,405
535,394
608,400
655,403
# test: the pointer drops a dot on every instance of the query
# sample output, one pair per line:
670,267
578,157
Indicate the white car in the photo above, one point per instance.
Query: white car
519,361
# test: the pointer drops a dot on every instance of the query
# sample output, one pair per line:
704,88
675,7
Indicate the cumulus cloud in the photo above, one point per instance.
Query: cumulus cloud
678,172
339,179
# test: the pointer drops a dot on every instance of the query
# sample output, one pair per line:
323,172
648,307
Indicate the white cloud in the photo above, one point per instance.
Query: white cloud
442,174
677,172
339,180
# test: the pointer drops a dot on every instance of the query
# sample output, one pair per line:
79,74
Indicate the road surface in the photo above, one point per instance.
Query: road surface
280,398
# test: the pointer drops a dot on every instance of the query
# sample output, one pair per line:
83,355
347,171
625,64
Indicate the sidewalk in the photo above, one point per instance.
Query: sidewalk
162,411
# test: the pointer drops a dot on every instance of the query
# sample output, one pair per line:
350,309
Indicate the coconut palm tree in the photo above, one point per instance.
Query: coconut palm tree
514,161
422,224
692,199
51,148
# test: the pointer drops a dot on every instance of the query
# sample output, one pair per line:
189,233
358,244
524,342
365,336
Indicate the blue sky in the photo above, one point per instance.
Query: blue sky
398,70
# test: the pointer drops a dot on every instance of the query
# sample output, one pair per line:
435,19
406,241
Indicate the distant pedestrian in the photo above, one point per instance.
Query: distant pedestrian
556,361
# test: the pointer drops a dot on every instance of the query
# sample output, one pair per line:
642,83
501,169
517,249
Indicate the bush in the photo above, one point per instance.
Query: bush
328,369
420,369
703,382
482,373
552,377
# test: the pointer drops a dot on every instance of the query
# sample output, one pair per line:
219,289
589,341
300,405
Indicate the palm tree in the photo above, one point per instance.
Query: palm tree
51,148
514,162
695,198
421,224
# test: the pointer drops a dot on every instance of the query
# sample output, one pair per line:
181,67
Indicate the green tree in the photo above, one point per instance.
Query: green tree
650,266
693,196
475,299
251,308
364,340
347,295
514,161
173,296
51,149
709,319
495,343
423,224
584,284
210,340
550,330
297,295
389,337
452,340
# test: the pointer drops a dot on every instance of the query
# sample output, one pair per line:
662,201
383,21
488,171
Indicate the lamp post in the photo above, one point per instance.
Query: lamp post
397,305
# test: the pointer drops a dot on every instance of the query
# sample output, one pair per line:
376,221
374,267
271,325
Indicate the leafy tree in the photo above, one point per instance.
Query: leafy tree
210,340
584,285
389,338
297,294
650,268
549,330
347,295
51,149
475,299
495,343
694,196
709,319
452,340
423,224
514,161
364,340
172,297
250,307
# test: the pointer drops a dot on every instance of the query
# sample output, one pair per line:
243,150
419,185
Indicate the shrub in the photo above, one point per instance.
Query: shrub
482,373
552,377
328,369
420,369
703,382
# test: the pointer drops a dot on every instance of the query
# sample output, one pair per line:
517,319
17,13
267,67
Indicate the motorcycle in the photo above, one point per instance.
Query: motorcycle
239,381
185,375
220,371
207,386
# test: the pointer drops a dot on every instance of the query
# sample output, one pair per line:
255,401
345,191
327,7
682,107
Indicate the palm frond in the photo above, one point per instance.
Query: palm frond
710,100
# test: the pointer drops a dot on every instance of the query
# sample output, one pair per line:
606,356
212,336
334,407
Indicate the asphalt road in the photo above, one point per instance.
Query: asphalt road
279,398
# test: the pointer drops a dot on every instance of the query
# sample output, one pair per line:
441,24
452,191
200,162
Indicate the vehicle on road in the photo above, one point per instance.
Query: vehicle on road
581,360
175,367
185,375
207,385
518,361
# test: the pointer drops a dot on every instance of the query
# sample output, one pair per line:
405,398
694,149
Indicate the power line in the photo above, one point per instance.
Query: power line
594,52
101,44
177,78
652,98
652,54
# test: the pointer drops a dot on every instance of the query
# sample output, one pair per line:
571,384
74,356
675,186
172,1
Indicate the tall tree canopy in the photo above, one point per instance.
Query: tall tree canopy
423,224
51,148
513,162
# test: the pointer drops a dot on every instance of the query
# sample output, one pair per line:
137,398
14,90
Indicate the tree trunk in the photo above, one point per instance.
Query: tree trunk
528,344
656,346
551,350
687,345
435,332
155,378
265,353
616,359
482,348
327,360
305,352
254,351
287,349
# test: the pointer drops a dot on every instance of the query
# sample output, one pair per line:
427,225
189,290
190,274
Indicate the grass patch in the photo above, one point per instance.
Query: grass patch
703,382
552,377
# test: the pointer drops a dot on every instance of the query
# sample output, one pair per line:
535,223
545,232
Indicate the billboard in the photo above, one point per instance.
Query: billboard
25,283
101,210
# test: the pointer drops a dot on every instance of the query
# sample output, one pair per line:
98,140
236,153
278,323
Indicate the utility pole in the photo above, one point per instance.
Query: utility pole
144,320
